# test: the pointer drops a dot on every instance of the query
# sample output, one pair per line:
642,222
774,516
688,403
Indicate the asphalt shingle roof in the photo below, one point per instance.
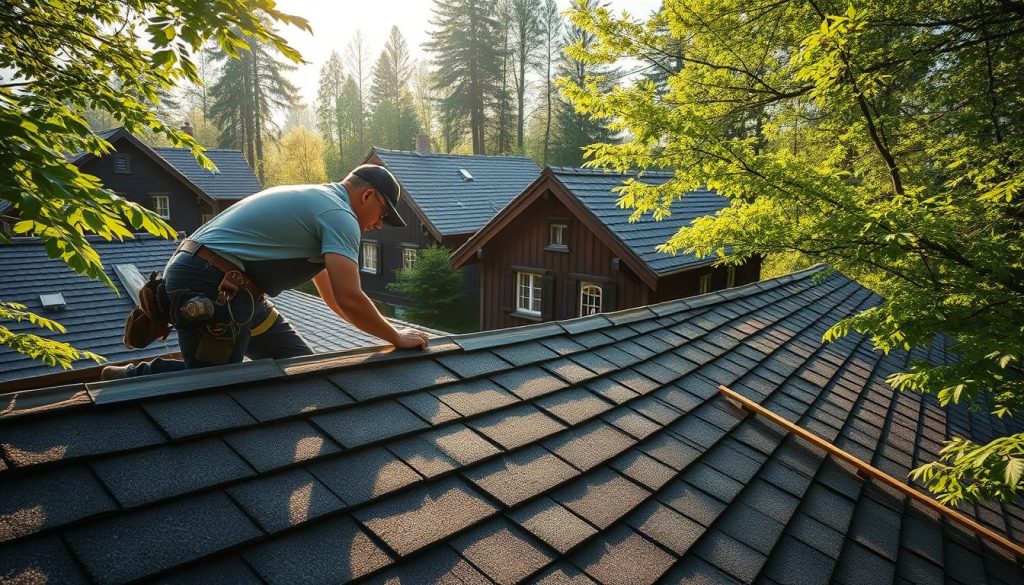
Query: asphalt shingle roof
234,178
95,316
594,189
630,470
451,203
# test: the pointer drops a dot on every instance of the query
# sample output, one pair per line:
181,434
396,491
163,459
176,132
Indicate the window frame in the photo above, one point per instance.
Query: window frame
704,284
363,257
552,223
153,197
535,283
584,285
406,250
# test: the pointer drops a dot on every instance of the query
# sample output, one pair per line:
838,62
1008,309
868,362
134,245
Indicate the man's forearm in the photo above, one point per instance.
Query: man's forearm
361,312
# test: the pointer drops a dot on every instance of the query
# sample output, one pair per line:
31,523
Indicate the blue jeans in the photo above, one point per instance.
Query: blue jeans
187,276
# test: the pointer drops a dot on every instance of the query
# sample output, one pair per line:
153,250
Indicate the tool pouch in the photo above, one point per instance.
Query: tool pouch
150,320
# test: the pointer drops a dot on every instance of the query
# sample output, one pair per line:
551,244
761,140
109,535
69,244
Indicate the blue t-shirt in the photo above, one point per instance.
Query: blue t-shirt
279,236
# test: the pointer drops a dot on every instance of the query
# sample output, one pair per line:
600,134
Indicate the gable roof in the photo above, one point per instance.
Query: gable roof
234,178
95,315
596,449
588,193
449,204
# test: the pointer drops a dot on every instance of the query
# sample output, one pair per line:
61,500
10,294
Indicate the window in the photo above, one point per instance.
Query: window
122,164
370,262
730,280
705,284
162,206
528,293
590,299
558,236
409,256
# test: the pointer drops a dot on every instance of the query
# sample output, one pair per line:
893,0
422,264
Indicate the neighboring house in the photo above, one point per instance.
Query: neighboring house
591,450
94,315
169,180
564,248
446,198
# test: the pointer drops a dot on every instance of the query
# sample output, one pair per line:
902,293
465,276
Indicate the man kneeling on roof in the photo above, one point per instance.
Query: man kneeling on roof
216,283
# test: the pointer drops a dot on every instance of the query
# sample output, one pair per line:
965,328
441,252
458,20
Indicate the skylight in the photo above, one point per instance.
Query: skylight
53,302
465,175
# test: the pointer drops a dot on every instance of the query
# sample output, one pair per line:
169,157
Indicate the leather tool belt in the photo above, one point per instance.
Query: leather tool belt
234,279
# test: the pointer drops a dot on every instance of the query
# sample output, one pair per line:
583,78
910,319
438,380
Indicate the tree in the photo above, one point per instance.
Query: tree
329,111
551,35
435,286
357,58
501,102
250,90
526,32
466,61
890,145
575,129
391,73
393,123
297,160
63,58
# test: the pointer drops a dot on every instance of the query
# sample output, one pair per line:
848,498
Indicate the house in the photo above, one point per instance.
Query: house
596,449
94,315
169,180
563,248
445,199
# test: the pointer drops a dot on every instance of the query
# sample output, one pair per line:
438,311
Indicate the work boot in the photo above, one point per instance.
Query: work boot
114,373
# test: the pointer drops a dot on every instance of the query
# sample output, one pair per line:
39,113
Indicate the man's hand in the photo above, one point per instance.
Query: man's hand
411,339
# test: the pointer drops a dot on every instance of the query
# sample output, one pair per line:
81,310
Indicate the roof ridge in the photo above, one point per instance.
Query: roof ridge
452,155
603,171
183,148
27,240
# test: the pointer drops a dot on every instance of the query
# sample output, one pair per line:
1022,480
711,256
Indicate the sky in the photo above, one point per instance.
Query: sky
335,21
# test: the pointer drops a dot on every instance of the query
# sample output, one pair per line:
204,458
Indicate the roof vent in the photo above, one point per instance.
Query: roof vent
465,175
53,302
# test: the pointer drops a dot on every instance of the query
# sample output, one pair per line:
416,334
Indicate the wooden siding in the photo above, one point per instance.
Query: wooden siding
523,243
391,242
146,179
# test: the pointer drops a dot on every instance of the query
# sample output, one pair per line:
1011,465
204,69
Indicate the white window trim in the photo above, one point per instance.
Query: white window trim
406,263
705,284
156,207
564,232
365,265
583,293
533,283
730,280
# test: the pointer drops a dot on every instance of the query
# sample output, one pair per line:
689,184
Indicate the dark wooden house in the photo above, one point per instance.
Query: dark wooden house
446,198
169,180
564,248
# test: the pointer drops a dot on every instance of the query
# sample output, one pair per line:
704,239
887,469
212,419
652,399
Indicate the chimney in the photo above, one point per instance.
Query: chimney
422,144
187,128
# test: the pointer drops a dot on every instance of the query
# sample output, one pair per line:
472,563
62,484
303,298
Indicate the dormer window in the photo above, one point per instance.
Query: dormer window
122,164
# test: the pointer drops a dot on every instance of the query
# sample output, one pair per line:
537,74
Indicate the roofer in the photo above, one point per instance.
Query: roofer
215,286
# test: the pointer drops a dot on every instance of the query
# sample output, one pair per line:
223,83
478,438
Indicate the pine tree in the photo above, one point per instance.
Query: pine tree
392,71
576,130
504,122
393,123
249,91
467,61
329,120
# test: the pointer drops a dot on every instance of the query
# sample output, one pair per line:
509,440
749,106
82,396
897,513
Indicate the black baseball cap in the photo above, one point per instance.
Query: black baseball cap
387,185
